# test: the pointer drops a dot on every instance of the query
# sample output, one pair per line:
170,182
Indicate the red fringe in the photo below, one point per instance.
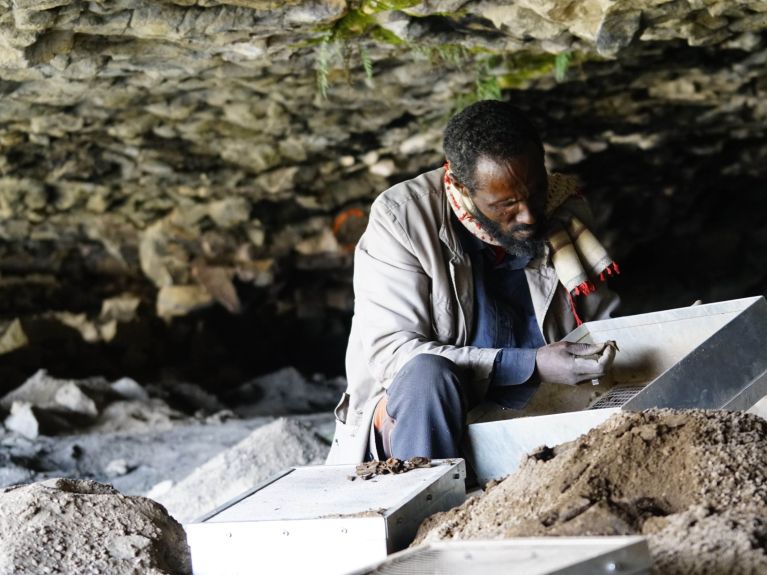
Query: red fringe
588,287
578,320
612,269
585,288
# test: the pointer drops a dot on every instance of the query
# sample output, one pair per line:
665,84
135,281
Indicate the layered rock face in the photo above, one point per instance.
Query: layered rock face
197,160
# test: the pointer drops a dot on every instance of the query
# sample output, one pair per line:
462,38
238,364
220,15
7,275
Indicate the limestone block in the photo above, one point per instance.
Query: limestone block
258,272
12,336
324,242
229,212
217,281
255,157
617,31
582,18
314,12
519,21
163,253
180,300
429,7
278,181
752,23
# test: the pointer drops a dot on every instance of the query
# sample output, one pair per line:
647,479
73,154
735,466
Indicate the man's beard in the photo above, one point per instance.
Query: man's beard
529,248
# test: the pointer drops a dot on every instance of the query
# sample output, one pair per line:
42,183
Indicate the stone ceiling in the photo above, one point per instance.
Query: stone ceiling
160,158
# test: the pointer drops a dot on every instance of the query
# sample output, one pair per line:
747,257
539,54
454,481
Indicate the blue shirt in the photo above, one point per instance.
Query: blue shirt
504,318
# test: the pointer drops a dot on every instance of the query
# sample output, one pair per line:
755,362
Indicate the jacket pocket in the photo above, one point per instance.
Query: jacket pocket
342,409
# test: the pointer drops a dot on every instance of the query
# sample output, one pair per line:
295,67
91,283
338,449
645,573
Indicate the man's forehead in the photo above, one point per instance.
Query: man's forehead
528,168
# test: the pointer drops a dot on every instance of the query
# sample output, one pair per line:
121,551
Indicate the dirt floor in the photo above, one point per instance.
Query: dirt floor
174,443
694,482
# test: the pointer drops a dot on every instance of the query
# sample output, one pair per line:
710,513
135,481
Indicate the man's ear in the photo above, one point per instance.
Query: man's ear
464,190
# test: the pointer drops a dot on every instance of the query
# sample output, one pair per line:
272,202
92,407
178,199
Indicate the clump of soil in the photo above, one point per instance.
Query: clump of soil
693,481
80,526
370,469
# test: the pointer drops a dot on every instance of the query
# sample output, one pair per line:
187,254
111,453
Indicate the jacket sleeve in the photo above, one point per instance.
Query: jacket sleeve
393,304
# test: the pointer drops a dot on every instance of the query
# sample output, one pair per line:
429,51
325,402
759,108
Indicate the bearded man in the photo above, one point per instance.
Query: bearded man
465,281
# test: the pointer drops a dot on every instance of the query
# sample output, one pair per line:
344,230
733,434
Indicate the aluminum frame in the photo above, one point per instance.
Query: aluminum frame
625,555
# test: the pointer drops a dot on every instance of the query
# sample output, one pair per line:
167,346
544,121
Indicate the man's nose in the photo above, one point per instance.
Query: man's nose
525,215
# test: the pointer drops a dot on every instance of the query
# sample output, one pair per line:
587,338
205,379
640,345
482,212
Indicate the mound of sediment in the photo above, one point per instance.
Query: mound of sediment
694,482
261,455
75,526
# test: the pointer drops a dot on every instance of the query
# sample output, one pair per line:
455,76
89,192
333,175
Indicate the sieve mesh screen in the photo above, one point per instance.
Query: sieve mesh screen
618,396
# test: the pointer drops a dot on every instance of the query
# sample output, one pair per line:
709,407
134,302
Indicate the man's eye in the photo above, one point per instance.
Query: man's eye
507,205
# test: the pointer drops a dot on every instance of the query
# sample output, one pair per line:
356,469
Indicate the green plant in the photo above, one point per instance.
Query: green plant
561,64
367,63
342,42
322,65
486,84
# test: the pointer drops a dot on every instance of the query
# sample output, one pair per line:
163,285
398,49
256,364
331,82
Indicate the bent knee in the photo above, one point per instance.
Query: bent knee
427,376
428,364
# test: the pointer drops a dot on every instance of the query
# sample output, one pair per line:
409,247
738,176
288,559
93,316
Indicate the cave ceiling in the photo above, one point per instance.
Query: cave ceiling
182,156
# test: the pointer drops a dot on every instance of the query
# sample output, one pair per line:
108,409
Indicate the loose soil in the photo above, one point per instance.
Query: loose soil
693,481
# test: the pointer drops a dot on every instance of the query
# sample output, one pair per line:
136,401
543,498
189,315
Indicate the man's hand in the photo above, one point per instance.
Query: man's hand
570,363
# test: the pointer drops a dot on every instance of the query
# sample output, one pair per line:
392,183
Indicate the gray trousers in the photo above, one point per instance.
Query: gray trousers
426,411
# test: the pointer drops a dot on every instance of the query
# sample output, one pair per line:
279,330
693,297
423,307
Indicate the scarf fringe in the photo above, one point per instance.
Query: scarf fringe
578,320
588,287
611,269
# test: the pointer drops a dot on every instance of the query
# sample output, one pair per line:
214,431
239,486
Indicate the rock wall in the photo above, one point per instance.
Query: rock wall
211,163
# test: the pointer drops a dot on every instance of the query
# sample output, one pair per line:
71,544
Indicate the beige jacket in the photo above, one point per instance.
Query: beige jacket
414,293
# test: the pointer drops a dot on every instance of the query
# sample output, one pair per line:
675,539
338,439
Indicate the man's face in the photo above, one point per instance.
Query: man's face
509,198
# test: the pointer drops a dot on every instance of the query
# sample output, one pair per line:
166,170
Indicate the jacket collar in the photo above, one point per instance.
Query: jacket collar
446,232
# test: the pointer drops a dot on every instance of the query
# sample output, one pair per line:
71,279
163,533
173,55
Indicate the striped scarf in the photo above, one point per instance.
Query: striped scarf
579,259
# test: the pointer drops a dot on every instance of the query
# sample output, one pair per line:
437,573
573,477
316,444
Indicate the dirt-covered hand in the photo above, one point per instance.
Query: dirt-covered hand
570,363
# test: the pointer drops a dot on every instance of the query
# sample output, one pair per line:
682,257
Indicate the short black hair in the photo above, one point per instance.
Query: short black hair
488,128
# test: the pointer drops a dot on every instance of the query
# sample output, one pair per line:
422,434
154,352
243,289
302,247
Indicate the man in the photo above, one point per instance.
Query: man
465,280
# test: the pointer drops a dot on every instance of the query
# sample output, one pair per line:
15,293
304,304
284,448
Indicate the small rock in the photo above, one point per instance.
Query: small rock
116,468
73,399
45,392
384,168
130,389
22,420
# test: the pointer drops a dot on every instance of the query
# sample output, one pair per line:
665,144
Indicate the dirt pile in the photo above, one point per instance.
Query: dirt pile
261,455
77,526
694,482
